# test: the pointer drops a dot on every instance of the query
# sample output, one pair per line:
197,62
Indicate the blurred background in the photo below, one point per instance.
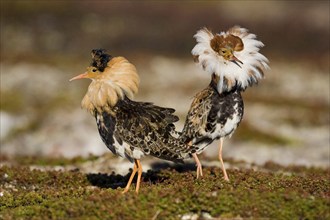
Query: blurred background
45,43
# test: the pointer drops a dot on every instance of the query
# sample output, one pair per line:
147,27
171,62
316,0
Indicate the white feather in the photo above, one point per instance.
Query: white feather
254,63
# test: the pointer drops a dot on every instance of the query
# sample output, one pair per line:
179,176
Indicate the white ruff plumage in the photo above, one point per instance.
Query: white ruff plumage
230,74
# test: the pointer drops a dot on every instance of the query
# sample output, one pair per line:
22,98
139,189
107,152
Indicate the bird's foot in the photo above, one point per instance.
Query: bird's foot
199,171
125,191
225,176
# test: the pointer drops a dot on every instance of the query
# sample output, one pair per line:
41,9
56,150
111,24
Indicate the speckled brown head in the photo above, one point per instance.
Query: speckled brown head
220,41
227,45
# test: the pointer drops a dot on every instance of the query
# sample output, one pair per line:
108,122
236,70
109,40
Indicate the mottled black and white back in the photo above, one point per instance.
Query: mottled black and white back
136,129
212,116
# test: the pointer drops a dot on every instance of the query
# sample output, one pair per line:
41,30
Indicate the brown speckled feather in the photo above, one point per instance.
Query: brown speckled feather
212,116
196,119
139,128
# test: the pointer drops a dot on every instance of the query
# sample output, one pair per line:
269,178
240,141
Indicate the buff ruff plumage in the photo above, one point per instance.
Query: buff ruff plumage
129,129
233,60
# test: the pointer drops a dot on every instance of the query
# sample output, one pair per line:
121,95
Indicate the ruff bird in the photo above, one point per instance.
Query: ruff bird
128,128
233,60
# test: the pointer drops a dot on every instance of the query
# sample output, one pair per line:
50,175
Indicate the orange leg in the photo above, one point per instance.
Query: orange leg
137,168
139,176
221,161
199,170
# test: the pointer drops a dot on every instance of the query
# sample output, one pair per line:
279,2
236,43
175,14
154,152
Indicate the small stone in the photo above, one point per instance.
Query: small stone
189,216
214,194
206,216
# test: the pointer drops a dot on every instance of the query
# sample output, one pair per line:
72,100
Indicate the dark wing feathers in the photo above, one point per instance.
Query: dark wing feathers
148,128
106,126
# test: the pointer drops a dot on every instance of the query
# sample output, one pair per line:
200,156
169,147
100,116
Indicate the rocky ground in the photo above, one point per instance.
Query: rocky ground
87,188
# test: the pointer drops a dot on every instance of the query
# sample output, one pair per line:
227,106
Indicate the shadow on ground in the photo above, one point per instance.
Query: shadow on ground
152,176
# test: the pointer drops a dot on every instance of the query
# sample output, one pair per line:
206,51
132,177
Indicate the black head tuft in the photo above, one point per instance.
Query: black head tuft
100,59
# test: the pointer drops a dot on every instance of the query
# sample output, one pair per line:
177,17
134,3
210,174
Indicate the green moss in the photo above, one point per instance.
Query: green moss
167,194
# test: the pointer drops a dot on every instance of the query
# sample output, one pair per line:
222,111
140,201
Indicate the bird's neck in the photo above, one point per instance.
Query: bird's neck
215,79
120,80
102,97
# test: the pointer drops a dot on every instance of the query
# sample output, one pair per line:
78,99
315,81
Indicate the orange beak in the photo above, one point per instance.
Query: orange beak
233,58
81,76
236,61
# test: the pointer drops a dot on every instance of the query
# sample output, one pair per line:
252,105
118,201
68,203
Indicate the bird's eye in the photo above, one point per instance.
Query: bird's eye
94,70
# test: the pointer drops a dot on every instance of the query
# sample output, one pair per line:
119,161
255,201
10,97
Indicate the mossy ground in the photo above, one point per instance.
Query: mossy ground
270,191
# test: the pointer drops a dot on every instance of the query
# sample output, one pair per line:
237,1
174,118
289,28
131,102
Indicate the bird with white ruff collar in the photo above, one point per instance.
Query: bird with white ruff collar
234,62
